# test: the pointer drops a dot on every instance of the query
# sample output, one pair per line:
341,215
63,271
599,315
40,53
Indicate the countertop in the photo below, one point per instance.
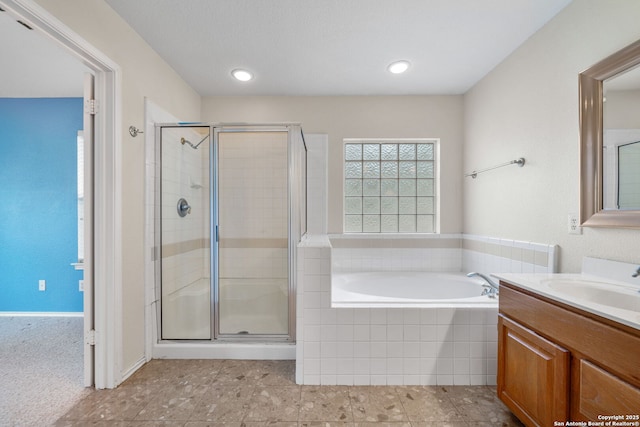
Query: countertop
539,284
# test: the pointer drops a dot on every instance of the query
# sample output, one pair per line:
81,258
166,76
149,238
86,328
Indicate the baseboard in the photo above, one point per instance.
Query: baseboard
41,314
132,370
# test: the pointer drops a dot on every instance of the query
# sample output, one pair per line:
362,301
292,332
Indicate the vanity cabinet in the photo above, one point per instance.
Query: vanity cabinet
533,374
557,363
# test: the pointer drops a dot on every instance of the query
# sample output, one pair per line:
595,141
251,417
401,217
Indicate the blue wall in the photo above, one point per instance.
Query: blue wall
38,206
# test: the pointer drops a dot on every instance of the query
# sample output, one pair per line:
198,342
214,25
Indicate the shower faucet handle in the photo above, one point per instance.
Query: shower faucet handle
183,208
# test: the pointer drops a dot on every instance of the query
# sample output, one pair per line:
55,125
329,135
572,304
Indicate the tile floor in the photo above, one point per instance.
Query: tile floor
198,393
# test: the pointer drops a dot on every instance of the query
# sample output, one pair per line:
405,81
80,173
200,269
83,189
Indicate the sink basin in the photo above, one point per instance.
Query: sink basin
622,297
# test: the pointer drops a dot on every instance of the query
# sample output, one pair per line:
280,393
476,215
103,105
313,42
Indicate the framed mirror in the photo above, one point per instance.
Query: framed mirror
601,164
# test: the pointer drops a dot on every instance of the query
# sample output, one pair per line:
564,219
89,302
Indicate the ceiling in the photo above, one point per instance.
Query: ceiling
303,47
33,66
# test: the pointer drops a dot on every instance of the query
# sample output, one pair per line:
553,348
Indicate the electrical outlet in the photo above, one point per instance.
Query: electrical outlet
574,224
42,285
81,285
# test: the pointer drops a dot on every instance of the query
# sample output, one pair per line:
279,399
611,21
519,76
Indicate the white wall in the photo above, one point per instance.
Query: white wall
528,107
362,117
144,74
621,109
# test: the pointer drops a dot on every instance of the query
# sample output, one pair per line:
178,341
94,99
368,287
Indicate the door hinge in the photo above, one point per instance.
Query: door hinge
90,337
91,107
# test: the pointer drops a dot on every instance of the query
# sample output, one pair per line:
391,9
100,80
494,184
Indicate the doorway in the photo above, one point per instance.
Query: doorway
102,262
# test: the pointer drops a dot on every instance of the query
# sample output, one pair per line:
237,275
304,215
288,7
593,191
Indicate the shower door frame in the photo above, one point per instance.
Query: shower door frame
291,245
216,336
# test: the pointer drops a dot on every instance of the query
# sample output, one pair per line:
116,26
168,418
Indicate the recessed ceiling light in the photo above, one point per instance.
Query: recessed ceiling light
242,75
398,67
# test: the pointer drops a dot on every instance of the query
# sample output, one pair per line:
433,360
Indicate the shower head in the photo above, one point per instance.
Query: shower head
184,141
195,147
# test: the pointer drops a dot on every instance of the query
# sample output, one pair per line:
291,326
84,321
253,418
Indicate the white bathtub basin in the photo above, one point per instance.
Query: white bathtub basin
408,289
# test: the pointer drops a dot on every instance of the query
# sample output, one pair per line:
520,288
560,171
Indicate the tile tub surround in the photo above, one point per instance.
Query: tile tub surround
399,346
352,253
493,255
197,393
381,346
441,253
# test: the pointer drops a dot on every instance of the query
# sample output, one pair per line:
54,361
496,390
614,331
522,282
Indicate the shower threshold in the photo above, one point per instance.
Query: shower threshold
222,349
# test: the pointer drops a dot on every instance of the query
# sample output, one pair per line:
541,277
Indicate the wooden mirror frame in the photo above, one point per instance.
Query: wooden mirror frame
590,82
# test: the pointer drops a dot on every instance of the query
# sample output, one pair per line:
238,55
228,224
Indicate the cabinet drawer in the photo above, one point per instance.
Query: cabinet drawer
600,393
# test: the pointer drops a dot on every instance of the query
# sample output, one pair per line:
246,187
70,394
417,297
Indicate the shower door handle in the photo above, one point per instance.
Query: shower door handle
217,237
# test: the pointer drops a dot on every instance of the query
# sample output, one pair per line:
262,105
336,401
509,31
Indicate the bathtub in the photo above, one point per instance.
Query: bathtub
408,289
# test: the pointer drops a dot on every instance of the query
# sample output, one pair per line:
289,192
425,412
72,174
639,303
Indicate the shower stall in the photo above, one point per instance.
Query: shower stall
230,211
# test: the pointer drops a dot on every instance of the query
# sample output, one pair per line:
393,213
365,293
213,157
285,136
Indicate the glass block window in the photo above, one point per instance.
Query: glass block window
389,186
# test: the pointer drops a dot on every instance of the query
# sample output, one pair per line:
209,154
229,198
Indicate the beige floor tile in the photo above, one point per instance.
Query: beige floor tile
61,423
224,403
480,404
172,403
427,404
245,393
214,424
86,423
196,371
487,415
383,424
274,404
468,394
325,424
276,373
442,424
148,424
240,371
507,423
376,404
325,403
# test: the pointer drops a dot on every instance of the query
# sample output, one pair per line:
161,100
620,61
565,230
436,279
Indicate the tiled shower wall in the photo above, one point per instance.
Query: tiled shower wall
253,204
253,235
185,242
377,346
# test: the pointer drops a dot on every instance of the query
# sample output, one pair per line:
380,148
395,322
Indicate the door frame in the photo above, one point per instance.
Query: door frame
107,238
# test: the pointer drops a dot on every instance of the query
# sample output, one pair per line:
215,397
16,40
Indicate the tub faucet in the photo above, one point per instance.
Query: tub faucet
637,273
492,287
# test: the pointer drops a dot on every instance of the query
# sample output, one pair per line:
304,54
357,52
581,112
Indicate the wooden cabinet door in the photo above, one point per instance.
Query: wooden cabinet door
597,392
533,375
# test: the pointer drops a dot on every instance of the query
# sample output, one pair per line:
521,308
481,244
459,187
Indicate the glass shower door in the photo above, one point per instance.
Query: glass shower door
252,233
185,245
